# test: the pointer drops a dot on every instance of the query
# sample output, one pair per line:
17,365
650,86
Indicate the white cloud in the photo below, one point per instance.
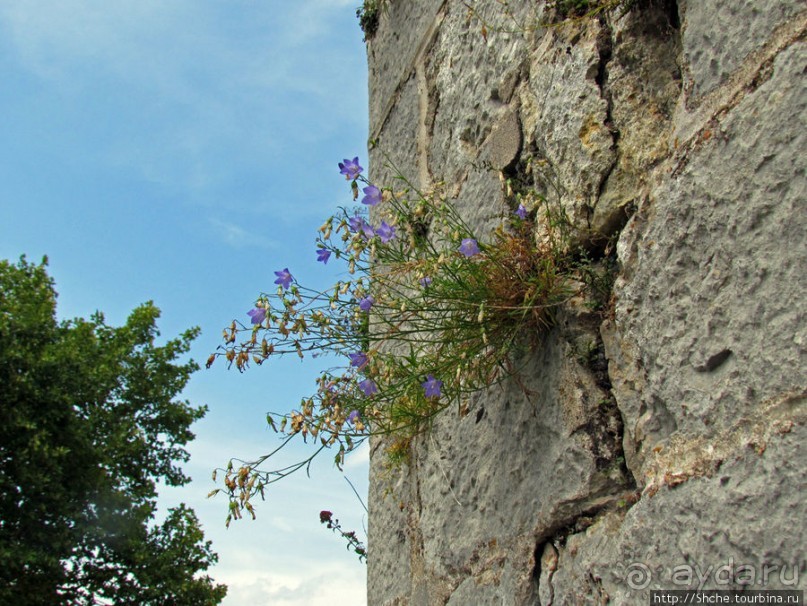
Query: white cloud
281,524
360,458
332,586
286,557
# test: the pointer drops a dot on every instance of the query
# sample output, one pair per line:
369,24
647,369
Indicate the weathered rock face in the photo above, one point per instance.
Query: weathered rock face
662,436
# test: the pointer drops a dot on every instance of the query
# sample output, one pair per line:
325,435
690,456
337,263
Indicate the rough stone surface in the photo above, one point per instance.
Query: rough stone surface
504,143
392,53
641,82
728,530
719,35
566,116
724,230
664,431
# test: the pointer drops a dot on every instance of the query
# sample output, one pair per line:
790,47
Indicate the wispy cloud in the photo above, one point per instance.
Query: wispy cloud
238,237
204,101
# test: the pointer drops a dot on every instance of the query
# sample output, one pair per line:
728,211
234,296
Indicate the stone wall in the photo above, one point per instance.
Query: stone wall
667,431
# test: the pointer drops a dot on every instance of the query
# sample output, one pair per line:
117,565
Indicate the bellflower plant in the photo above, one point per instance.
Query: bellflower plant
368,387
359,360
521,211
356,223
431,387
427,312
366,303
385,232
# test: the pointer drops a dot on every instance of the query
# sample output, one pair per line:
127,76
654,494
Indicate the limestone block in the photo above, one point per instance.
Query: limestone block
389,572
522,461
566,119
474,78
404,29
641,81
741,526
504,143
709,316
718,35
397,142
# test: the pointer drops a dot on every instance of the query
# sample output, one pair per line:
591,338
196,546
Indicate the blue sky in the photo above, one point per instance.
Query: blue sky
181,151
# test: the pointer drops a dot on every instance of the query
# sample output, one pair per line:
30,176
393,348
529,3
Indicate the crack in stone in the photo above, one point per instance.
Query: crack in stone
423,136
605,51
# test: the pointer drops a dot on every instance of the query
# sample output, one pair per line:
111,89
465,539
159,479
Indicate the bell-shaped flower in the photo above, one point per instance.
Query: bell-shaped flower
284,278
257,315
469,247
368,387
323,254
432,387
350,168
359,360
372,195
521,211
385,232
366,303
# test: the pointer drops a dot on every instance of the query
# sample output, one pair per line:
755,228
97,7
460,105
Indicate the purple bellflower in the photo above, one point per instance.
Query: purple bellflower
385,232
425,281
432,387
521,211
358,224
372,195
350,168
284,278
359,360
323,254
469,247
257,314
353,416
368,387
366,303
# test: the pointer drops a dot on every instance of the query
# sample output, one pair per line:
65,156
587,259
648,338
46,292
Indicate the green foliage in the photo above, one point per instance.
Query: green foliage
368,15
580,8
88,423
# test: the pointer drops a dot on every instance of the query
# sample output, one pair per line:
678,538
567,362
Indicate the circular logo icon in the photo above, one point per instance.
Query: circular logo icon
638,576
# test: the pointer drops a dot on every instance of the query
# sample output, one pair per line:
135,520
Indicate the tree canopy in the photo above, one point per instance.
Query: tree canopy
89,422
